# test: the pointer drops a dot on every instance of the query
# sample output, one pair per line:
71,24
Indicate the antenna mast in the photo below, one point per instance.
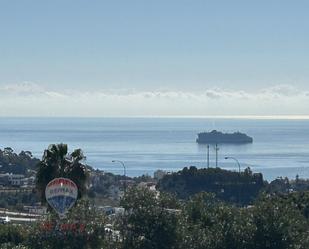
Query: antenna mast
207,155
216,149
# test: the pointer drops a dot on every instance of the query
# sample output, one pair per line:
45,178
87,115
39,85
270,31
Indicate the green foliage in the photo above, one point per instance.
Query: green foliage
279,223
300,201
160,221
211,224
149,223
284,185
87,232
278,219
143,178
12,246
105,181
11,234
279,185
56,162
16,163
17,199
229,186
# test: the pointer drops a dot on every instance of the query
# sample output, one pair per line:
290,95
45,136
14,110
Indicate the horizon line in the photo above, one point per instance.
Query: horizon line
258,117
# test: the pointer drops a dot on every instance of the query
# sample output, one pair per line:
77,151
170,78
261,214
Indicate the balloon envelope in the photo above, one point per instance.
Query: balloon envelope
61,194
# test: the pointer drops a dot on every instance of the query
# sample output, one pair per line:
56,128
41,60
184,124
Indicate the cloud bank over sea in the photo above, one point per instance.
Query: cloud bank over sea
31,99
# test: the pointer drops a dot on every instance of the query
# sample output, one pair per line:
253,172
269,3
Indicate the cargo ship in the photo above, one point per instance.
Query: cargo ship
217,137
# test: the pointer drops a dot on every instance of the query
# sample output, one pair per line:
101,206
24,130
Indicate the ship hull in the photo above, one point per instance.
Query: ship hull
216,137
199,141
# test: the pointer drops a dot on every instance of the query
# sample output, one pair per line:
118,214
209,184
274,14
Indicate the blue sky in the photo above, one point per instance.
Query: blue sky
157,47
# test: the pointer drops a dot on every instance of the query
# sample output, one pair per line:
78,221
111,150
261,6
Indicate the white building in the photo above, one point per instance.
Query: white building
16,180
12,180
38,210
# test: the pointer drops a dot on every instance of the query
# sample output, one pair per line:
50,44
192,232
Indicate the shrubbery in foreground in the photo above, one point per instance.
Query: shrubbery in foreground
158,222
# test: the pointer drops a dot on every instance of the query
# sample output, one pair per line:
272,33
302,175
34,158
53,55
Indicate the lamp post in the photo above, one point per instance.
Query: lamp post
124,172
233,158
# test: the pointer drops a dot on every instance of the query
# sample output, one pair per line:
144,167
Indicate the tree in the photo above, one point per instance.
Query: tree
83,228
149,223
56,162
11,234
280,222
21,163
210,224
229,186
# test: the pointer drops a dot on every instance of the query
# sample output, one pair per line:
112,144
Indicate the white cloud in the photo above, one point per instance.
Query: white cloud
24,88
30,99
283,90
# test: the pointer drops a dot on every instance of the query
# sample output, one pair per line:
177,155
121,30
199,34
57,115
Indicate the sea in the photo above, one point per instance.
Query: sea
280,147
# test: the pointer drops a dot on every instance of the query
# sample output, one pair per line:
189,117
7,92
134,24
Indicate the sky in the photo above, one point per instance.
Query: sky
154,58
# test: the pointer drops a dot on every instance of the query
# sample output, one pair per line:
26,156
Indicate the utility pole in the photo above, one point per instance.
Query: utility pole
207,155
217,149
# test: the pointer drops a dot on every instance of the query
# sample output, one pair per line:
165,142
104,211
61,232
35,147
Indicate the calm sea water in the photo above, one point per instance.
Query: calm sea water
280,148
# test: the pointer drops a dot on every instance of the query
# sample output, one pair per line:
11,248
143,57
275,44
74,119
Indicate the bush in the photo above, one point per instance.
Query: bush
85,230
13,234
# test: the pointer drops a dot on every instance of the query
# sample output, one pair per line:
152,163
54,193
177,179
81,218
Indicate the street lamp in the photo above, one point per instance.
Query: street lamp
233,158
124,172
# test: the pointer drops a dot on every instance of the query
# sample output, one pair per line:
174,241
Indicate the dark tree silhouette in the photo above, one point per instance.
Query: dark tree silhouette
57,162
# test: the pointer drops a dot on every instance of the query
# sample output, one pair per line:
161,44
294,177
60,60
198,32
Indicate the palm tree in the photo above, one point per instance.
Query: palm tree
56,162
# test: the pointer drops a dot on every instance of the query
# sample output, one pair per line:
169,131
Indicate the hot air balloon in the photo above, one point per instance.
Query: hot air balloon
61,194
